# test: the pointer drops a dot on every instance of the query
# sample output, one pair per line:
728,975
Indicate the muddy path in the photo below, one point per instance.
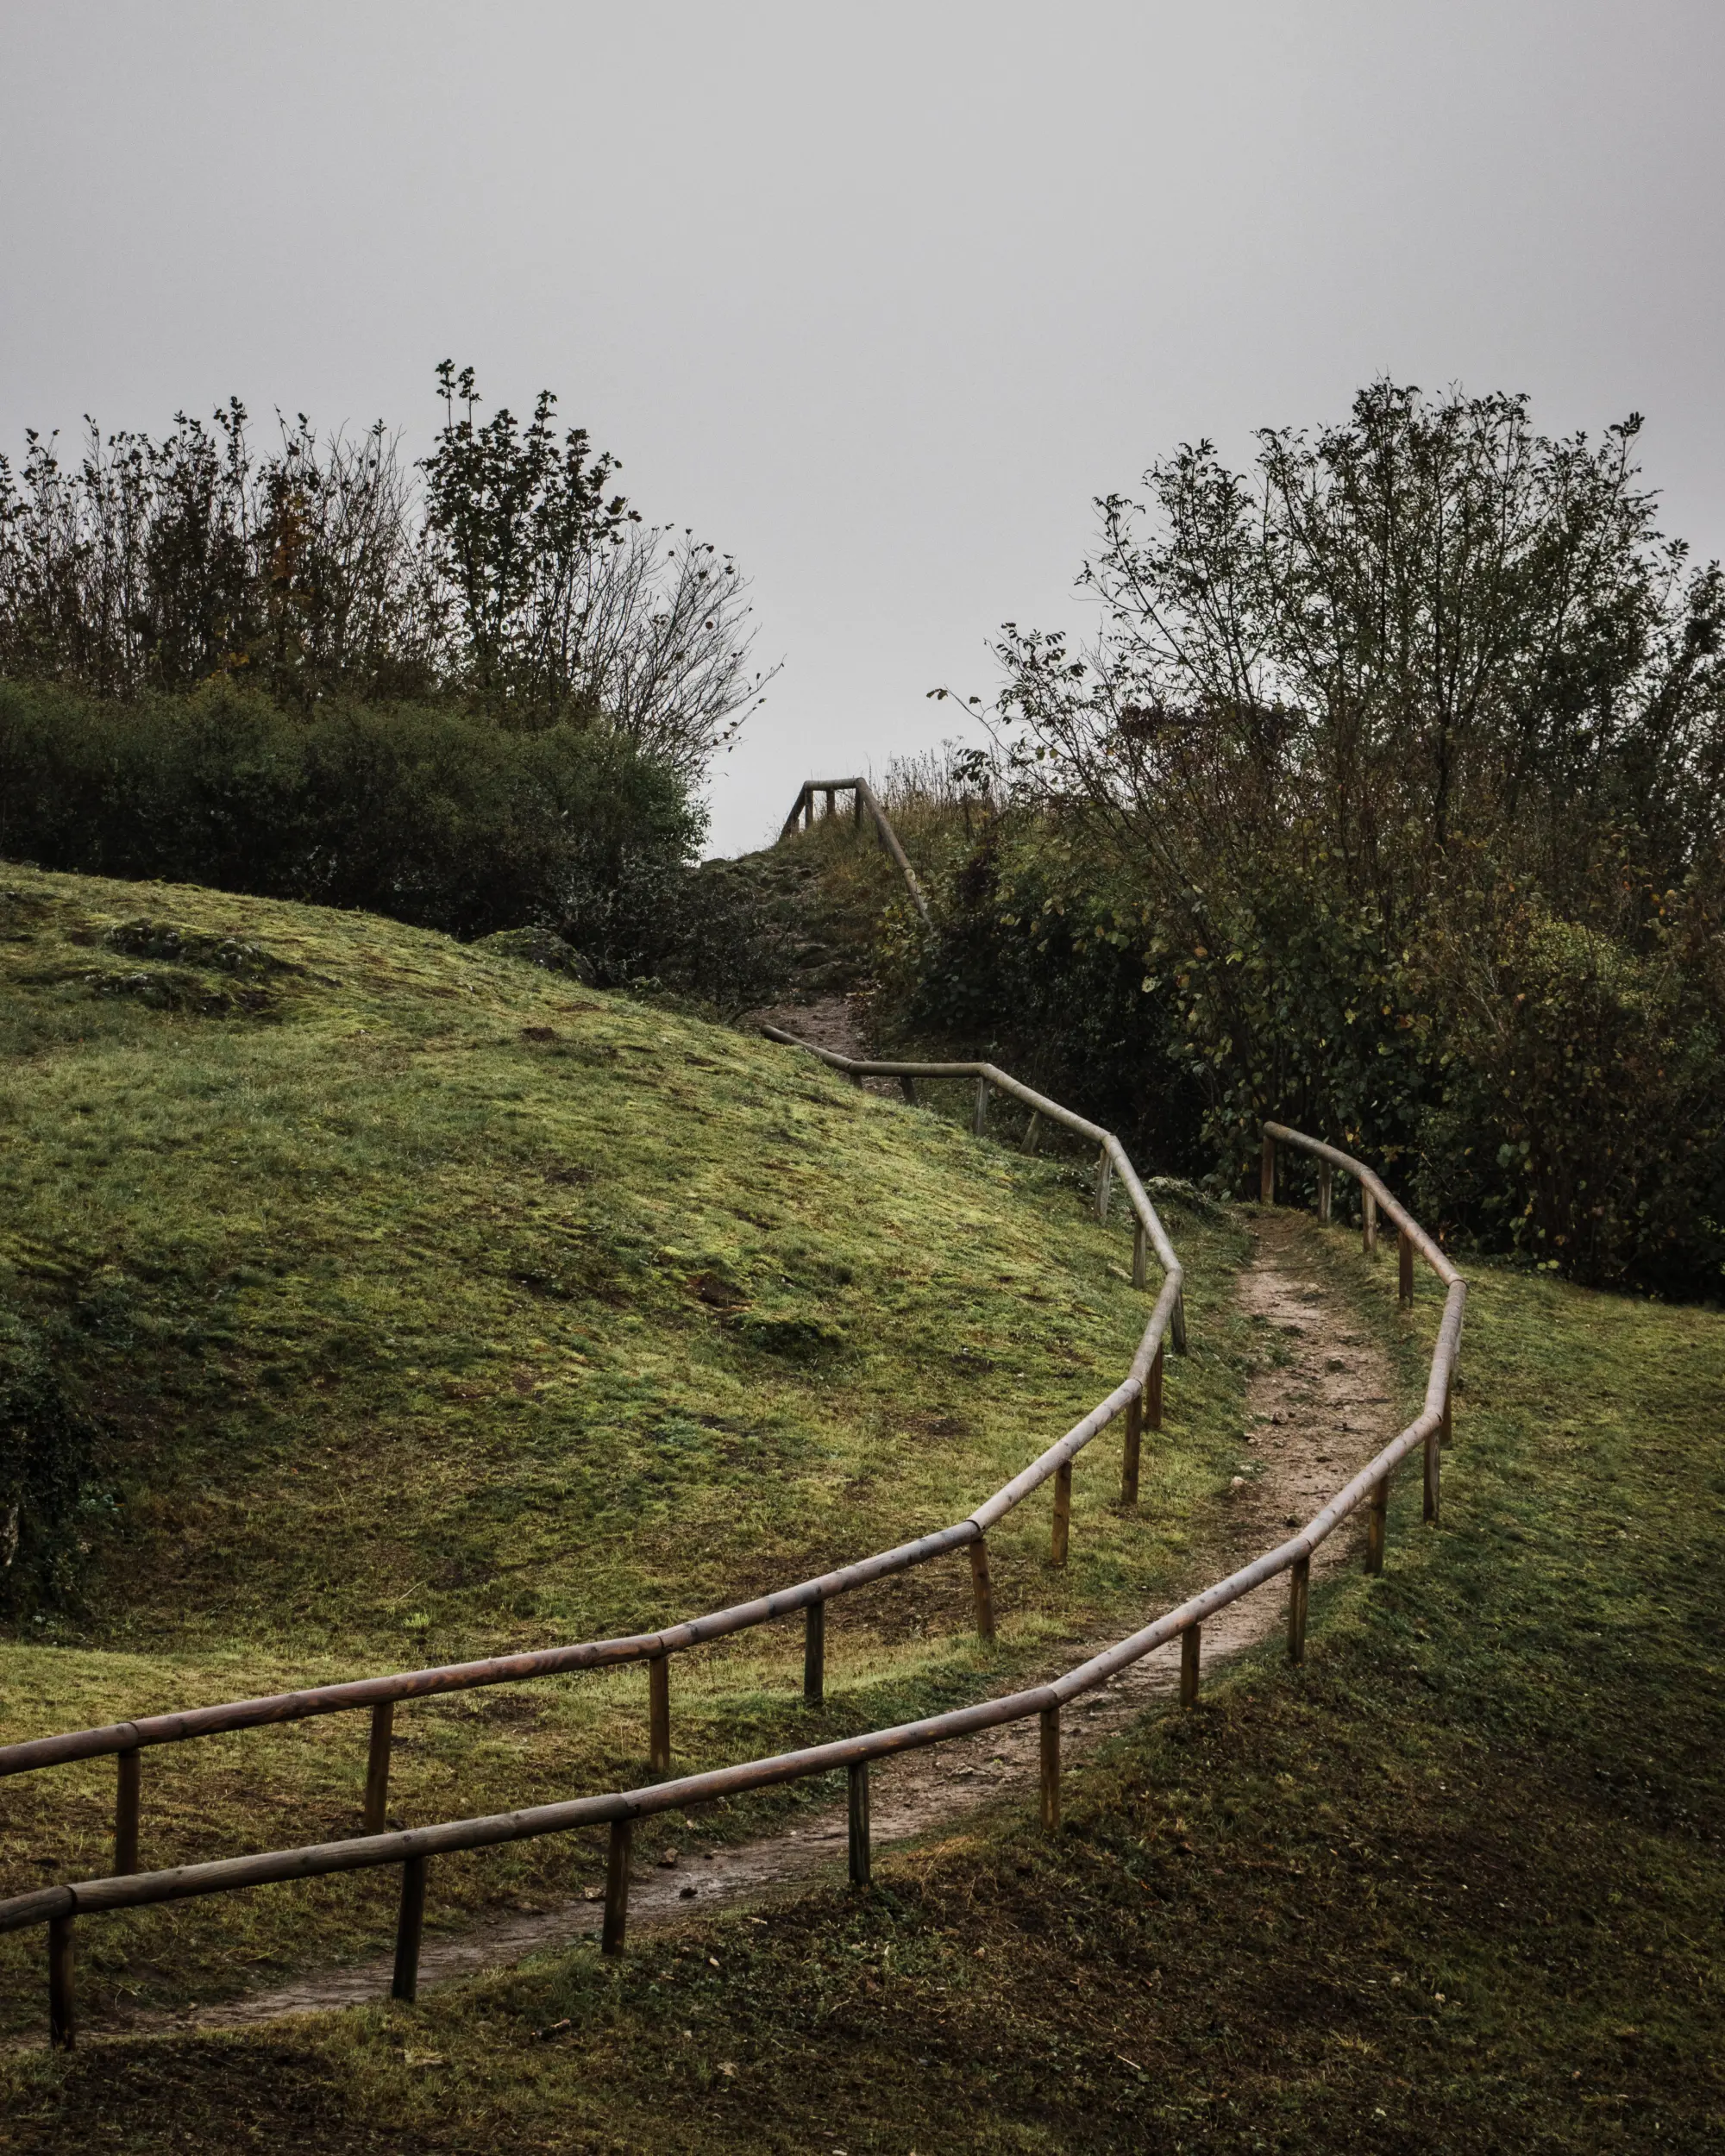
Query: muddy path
1316,1415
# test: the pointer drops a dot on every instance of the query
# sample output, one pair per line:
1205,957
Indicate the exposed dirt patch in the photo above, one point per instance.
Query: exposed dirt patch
833,1022
1320,1409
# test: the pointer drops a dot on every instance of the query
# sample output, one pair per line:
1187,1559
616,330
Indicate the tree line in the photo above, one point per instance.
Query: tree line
475,692
1388,799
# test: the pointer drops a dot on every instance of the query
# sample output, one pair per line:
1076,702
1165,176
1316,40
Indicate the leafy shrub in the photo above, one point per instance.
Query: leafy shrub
434,817
44,1459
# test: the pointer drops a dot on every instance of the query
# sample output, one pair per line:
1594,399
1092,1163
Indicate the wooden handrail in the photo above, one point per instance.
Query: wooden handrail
379,1694
803,809
58,1906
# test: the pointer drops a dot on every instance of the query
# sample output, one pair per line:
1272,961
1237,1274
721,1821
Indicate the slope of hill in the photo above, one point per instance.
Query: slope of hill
425,1304
1455,1886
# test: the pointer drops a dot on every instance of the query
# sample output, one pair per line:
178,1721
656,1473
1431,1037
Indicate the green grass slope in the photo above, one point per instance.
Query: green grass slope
1455,1886
430,1306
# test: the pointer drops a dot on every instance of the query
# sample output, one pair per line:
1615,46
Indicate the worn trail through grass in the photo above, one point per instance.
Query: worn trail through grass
1316,1412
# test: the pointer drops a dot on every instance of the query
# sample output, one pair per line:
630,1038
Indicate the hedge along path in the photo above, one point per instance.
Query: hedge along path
1139,1397
59,1906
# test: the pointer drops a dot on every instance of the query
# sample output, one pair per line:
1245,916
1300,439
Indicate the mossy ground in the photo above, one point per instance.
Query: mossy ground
1455,1886
430,1306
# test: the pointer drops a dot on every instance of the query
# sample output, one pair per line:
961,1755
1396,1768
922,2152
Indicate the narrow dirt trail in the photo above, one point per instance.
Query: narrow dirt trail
1313,1418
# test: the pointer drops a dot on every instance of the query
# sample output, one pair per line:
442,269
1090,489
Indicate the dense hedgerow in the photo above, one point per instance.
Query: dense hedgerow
438,816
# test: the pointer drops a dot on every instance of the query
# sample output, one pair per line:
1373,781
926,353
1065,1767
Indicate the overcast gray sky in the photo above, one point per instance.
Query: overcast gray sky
878,297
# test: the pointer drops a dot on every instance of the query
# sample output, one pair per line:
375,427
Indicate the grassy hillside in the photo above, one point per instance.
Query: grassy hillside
1456,1886
426,1304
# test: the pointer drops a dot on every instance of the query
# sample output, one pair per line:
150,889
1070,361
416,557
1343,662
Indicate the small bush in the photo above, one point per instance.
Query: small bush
44,1459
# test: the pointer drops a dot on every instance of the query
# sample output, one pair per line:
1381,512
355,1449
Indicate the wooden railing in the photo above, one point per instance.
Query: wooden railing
1139,1398
863,796
58,1907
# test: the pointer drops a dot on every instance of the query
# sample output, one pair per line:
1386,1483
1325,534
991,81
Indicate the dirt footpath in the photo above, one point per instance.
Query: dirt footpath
1312,1421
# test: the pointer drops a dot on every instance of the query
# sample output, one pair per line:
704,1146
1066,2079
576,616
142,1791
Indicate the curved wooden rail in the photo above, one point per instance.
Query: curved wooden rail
59,1906
1139,1397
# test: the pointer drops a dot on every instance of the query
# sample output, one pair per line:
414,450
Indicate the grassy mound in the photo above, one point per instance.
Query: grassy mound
420,1304
1456,1885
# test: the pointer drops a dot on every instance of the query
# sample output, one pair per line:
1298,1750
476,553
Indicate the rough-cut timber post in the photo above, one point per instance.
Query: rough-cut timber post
1368,1224
1062,1514
907,1087
1131,1449
981,1124
1266,1173
658,1714
1140,1256
857,1795
1431,1492
410,1926
1152,1392
981,1590
1446,1428
1032,1131
1299,1580
377,1766
1104,1185
1406,1285
1325,1189
127,1795
616,1888
1178,1325
1377,1522
857,806
814,1654
61,2024
831,803
1050,1721
1191,1646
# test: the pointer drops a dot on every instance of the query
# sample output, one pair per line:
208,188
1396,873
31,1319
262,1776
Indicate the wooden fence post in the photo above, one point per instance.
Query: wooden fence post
907,1087
1131,1449
61,2019
1032,1130
409,1926
615,1889
1177,1326
1266,1172
981,1589
1062,1513
1050,1768
1431,1493
1368,1224
658,1714
1152,1392
1447,1428
1140,1256
1104,1184
1299,1580
1376,1523
814,1654
1405,1250
377,1766
980,1125
856,1807
127,1796
1325,1190
1191,1646
856,807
